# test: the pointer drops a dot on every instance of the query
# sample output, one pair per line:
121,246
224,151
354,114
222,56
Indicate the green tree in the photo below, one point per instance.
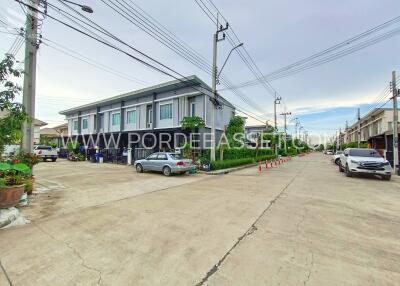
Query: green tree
192,123
14,114
235,126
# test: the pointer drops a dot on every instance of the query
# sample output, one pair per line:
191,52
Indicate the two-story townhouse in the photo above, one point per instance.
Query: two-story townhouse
375,128
149,112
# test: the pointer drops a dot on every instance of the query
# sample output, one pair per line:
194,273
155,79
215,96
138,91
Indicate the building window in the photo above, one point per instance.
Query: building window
166,111
75,125
84,123
131,117
101,120
193,109
115,119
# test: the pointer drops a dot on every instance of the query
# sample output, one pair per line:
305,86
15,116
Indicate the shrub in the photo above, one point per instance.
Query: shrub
218,165
239,153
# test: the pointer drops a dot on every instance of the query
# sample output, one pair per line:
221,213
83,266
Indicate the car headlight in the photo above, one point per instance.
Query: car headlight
386,163
354,162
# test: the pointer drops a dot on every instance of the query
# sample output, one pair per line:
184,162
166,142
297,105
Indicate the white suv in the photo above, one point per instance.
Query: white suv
366,161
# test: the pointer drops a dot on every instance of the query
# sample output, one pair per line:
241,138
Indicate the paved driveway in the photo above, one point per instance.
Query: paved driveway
300,224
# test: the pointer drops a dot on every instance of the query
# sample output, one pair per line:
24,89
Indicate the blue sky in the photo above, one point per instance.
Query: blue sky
276,33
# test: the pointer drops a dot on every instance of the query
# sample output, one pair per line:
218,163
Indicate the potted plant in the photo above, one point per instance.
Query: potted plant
12,183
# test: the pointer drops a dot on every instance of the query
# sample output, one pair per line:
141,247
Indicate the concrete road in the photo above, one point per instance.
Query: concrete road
302,223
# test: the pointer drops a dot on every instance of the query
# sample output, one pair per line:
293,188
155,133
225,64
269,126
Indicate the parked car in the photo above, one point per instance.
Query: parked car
329,152
46,152
165,162
336,157
364,161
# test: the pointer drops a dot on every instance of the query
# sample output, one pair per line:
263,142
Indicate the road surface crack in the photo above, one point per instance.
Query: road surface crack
5,274
83,262
248,232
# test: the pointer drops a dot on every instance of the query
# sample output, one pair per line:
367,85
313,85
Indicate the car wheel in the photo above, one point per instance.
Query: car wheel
139,168
166,171
53,159
387,177
340,168
348,173
337,161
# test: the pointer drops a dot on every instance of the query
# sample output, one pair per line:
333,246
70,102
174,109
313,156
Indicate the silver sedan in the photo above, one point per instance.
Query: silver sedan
167,163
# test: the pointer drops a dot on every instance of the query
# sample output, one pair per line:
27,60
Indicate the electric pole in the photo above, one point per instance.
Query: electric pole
395,125
285,126
359,128
277,100
214,100
29,90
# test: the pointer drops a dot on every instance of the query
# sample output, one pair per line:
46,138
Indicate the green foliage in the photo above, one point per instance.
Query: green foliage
218,165
15,115
192,122
73,146
235,126
13,174
354,145
239,153
27,158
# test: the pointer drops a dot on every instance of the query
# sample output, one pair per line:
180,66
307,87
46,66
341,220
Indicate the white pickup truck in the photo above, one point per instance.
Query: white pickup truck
46,152
367,161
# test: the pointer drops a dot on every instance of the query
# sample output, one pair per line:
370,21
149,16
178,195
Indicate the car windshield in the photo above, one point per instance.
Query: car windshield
339,152
364,153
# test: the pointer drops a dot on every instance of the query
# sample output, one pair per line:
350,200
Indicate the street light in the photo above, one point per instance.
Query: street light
85,8
234,48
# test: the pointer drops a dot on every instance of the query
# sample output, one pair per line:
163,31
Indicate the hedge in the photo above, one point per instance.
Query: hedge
218,165
243,153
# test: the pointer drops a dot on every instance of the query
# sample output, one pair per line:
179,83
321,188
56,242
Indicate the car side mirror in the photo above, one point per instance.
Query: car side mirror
347,155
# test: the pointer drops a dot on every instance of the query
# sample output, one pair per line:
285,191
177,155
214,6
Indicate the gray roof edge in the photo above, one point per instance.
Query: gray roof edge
193,78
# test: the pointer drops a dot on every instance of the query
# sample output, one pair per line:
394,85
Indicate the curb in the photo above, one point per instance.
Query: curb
229,170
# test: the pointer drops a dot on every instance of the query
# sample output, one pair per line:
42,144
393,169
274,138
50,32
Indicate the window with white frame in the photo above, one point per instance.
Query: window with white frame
75,125
115,119
165,111
131,117
84,123
193,109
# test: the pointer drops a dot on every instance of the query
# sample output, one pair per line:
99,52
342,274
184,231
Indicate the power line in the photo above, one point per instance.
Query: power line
310,62
182,79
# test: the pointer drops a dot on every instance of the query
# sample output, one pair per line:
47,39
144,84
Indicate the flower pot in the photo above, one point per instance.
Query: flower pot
10,196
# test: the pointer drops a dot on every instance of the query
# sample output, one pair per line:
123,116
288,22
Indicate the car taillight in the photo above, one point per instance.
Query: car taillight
180,163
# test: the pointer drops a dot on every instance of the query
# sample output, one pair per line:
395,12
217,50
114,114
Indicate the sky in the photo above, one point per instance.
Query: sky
275,33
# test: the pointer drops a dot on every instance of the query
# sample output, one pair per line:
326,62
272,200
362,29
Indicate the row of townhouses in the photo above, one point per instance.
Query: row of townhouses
376,129
156,109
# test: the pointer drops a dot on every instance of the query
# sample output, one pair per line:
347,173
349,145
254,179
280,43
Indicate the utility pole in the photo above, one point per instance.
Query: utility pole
347,132
277,100
359,128
214,100
29,90
285,126
395,125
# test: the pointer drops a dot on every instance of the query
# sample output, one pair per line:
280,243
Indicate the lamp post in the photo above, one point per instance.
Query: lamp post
234,48
85,8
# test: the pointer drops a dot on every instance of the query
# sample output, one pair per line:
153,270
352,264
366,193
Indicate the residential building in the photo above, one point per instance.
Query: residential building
376,128
156,109
53,135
